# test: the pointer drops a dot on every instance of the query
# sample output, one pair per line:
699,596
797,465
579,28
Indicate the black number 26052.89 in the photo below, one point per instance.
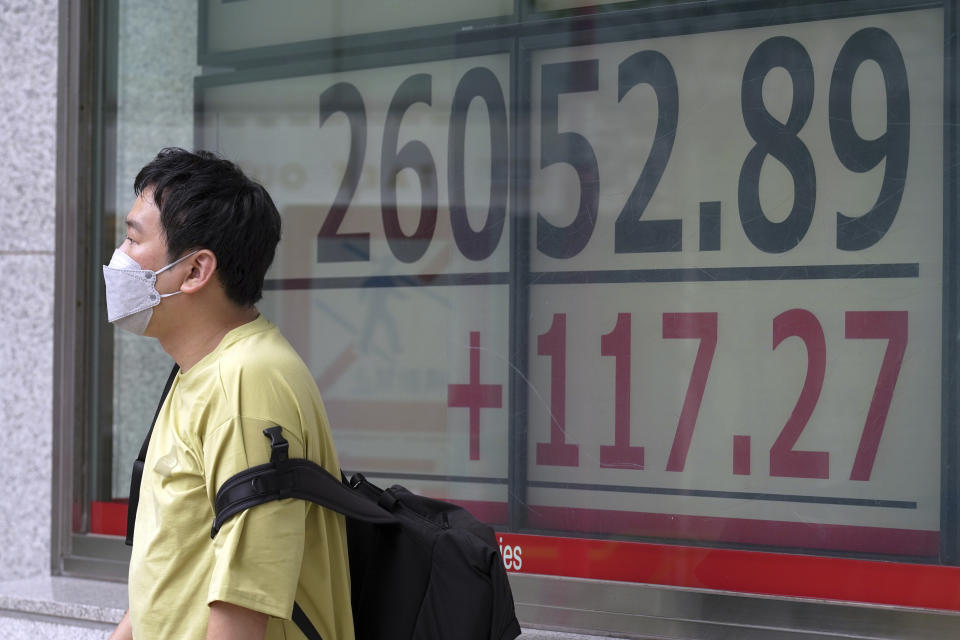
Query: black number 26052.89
772,140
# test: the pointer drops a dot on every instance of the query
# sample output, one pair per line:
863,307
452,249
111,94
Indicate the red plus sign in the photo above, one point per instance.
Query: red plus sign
475,396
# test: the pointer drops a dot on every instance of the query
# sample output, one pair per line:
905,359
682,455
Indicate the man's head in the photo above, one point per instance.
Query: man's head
206,202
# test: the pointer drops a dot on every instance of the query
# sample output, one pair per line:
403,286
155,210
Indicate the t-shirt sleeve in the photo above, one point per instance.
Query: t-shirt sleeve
257,552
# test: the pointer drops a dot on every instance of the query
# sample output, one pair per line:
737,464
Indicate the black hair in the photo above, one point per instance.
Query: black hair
206,202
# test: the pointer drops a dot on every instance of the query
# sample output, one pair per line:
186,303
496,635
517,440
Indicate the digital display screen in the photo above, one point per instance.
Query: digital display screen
736,285
732,271
391,277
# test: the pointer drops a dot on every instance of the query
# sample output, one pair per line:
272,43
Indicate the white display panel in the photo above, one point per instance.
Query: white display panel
391,274
685,195
351,143
732,284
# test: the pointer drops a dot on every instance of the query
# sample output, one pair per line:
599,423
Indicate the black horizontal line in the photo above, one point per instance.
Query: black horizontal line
611,276
734,495
698,493
731,274
432,477
384,281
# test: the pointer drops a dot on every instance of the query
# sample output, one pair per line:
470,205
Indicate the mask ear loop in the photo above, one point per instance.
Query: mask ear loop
176,262
170,266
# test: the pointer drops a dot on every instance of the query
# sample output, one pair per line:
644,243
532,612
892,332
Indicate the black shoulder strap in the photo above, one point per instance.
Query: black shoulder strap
303,622
282,478
297,478
138,463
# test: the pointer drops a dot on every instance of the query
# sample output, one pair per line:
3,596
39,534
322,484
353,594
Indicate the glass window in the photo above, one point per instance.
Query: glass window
638,279
149,106
734,326
392,278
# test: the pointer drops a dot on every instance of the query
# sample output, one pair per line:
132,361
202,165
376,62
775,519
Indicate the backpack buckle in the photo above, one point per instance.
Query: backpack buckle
279,447
356,480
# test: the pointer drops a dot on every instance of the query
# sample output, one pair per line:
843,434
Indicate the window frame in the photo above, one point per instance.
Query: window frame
80,98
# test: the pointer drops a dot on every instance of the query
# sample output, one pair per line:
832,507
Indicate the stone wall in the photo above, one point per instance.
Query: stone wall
28,102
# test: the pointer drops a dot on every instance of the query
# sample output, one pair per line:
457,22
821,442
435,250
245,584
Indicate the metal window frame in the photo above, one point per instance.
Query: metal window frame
72,184
78,150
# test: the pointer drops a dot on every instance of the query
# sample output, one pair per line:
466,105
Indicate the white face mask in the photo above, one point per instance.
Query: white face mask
132,293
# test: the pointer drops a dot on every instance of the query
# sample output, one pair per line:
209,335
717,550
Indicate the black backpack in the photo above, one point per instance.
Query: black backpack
419,568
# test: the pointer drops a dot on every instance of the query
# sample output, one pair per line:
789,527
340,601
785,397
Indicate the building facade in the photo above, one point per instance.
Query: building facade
663,291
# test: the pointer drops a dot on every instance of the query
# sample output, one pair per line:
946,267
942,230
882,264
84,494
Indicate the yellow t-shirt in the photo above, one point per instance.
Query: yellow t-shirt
211,427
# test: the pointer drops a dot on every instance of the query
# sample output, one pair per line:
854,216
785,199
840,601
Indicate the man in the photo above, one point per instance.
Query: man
200,238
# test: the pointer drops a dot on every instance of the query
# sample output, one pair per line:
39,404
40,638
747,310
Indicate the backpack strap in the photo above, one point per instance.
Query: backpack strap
303,622
297,478
137,473
283,478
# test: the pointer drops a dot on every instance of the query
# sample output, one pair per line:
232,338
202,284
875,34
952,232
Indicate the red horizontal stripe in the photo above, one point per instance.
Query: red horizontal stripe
904,542
490,512
109,518
754,572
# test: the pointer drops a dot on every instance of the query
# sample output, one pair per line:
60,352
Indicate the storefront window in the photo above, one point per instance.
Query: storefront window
736,283
149,106
643,273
